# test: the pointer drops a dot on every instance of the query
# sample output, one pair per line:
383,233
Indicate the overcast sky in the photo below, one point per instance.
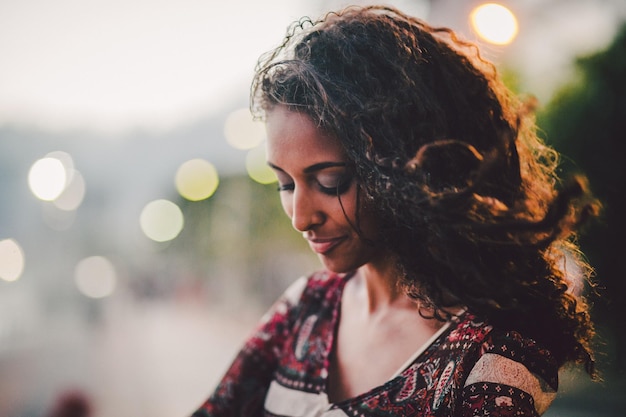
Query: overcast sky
115,64
120,62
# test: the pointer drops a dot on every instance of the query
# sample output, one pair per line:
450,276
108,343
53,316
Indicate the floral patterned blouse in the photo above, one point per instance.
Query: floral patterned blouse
467,369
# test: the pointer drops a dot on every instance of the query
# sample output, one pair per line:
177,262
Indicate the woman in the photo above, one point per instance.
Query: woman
447,251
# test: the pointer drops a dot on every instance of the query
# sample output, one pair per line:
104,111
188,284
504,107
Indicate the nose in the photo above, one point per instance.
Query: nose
305,211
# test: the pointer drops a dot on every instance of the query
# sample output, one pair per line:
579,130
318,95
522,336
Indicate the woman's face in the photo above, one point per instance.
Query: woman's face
315,181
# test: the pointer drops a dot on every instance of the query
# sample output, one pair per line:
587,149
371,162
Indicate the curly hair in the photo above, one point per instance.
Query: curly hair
466,193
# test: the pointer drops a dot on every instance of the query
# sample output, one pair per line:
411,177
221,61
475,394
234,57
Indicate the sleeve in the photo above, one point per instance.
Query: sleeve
242,390
512,377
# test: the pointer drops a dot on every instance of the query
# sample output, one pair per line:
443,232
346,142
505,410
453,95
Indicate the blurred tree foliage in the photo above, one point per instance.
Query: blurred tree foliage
586,122
241,243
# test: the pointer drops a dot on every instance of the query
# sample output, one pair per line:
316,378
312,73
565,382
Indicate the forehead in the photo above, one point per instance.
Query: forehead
292,137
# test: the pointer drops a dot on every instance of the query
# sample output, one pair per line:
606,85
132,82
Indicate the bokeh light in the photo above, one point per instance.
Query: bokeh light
47,178
494,23
161,220
196,180
11,260
72,196
95,277
67,161
241,131
256,165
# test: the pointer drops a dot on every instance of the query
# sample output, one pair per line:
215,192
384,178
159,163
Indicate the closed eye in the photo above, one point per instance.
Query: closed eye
324,174
341,186
286,187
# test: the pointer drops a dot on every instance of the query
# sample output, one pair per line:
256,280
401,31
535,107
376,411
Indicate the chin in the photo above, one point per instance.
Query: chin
339,270
340,267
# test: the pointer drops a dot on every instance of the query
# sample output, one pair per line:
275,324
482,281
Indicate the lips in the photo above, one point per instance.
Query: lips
324,245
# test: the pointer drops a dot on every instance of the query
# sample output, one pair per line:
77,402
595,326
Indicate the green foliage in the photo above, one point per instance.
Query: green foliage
511,79
586,122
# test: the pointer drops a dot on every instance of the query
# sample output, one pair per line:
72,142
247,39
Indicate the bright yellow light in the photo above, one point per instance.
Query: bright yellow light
196,179
161,220
47,178
11,260
73,194
95,277
256,165
241,131
494,23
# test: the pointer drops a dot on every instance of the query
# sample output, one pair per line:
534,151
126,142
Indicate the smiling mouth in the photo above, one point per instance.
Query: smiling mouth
323,246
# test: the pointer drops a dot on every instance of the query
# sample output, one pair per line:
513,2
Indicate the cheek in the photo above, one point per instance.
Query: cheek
351,205
287,203
368,219
369,226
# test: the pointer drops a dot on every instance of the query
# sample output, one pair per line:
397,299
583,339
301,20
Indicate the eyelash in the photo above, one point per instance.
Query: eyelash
286,187
340,188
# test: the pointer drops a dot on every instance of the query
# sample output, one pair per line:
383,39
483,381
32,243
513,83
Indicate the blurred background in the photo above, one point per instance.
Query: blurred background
141,236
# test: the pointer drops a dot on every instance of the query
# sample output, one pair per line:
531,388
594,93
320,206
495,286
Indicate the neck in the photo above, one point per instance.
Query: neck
379,283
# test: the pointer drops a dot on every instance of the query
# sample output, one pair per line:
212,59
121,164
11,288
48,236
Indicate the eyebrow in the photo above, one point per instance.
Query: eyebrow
313,168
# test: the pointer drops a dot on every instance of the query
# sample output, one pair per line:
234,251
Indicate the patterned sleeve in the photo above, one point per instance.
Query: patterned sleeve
241,392
512,377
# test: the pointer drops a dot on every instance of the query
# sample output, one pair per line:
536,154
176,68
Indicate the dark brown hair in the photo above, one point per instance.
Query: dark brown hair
465,191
